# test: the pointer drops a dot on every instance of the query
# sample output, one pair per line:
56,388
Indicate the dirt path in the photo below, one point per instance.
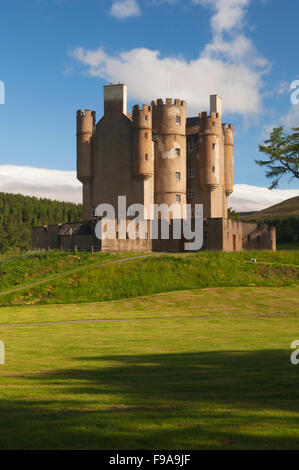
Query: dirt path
82,268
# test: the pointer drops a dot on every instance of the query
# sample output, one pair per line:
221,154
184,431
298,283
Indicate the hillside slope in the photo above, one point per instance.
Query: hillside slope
287,208
155,274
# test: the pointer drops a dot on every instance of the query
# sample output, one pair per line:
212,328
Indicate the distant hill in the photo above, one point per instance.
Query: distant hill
284,216
287,208
18,214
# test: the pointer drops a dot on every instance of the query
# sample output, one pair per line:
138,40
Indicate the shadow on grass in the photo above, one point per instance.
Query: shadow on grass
211,400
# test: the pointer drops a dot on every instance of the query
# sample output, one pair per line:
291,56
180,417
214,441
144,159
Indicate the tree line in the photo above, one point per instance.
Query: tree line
18,214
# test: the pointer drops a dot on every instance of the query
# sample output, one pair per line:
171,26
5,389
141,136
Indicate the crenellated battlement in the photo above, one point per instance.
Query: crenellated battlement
210,123
85,113
145,108
85,121
169,102
142,117
205,115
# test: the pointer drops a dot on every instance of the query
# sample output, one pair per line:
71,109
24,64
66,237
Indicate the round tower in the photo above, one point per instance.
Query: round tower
85,130
142,142
210,141
169,131
229,158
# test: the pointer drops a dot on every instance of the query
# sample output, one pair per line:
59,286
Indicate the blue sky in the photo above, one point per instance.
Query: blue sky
57,54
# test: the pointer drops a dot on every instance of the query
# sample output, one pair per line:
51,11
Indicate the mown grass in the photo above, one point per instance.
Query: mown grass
164,274
214,375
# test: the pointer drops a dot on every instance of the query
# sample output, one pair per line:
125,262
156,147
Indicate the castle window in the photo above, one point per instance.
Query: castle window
258,239
213,146
146,135
146,156
191,172
177,175
178,120
146,117
190,145
213,123
190,193
178,152
248,238
213,169
178,198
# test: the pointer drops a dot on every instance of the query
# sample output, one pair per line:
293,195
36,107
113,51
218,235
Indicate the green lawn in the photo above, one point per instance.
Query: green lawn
205,369
164,273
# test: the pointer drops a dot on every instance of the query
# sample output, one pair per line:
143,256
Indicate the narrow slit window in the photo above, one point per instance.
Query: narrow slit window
146,135
213,146
177,175
178,198
178,152
178,120
146,156
146,117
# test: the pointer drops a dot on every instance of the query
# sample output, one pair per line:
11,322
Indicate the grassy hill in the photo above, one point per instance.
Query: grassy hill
87,277
287,208
285,217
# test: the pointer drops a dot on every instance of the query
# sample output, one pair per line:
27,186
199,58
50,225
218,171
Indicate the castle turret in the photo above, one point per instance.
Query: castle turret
169,133
85,130
229,158
143,162
210,142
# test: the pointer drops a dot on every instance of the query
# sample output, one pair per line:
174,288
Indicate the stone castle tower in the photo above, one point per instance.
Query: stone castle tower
155,155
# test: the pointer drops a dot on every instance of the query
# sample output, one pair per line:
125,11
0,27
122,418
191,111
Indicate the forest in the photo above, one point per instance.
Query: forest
18,214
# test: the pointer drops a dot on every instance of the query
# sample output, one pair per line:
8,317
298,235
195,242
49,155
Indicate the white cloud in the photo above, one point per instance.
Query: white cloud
227,69
125,8
40,182
63,186
291,119
228,14
229,66
246,198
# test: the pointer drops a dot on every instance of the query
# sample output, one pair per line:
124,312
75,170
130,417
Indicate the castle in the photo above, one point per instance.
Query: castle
156,155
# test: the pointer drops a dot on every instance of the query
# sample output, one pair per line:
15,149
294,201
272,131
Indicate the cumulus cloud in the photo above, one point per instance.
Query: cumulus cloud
246,198
40,182
229,66
63,186
291,119
228,14
149,75
124,9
